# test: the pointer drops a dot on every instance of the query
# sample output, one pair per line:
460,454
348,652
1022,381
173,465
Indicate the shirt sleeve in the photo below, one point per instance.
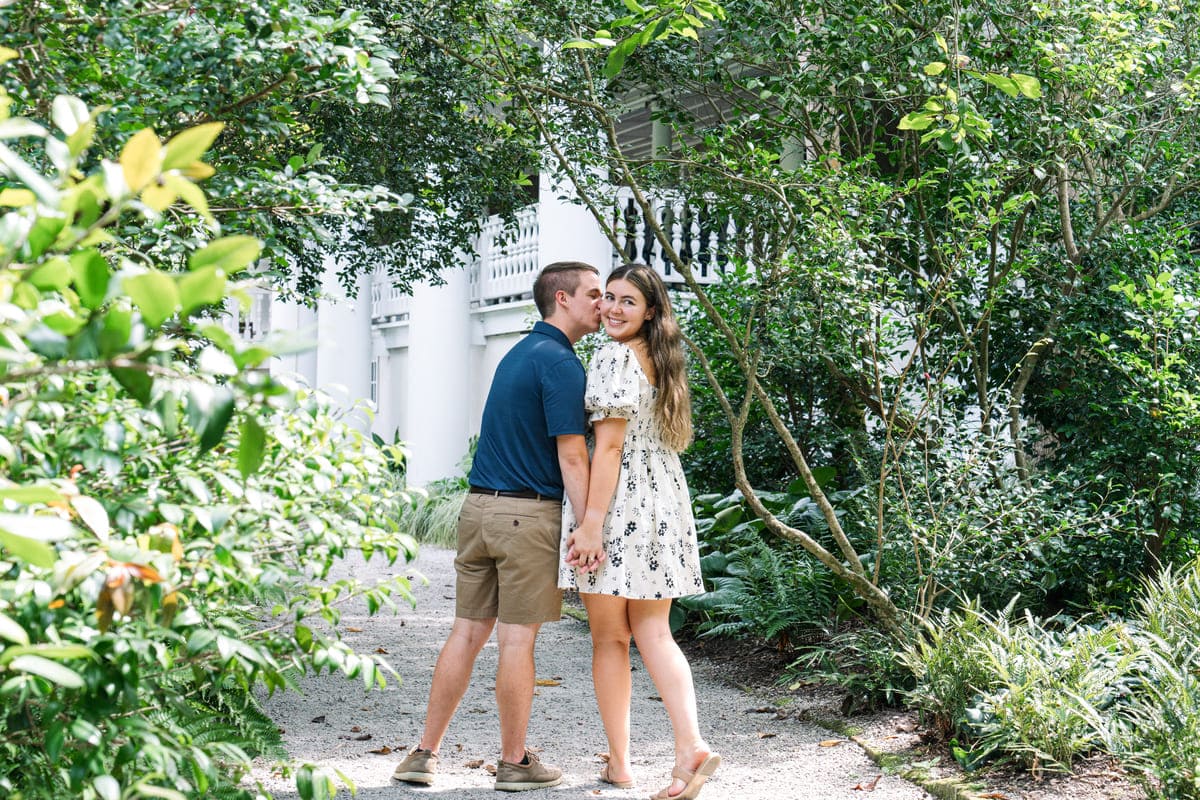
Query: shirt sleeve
613,384
562,398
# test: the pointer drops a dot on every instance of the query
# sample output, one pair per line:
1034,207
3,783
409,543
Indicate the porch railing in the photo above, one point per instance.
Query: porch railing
702,237
388,303
506,263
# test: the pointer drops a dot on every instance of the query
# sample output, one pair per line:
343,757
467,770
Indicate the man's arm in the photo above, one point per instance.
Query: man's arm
573,461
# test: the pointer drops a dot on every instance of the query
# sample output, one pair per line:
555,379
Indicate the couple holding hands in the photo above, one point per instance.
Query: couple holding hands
542,517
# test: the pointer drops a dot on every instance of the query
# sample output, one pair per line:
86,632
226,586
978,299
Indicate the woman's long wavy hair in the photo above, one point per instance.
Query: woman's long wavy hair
664,342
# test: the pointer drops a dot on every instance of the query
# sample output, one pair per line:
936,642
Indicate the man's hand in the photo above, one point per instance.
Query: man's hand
585,549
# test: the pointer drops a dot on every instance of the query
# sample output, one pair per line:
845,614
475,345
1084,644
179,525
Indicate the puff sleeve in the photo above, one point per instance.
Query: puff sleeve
613,383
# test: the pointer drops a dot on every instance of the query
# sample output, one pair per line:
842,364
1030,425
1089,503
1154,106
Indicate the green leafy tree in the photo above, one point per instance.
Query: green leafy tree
923,193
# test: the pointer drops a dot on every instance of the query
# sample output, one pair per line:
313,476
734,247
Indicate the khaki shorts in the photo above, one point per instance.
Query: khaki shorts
507,560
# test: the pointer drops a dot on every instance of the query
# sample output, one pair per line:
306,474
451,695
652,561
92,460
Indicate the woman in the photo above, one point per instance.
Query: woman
635,547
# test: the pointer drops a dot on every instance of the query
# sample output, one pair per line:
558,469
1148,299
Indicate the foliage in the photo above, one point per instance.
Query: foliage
163,492
434,517
861,661
1021,690
921,197
330,136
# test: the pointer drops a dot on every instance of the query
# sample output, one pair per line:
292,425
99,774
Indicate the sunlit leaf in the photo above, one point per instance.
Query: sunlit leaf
141,159
50,670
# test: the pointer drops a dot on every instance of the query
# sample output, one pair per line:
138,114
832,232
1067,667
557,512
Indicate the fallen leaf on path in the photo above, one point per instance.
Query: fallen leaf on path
352,629
867,786
655,697
381,650
319,719
766,735
476,764
355,729
491,768
547,682
366,737
995,796
762,710
831,742
382,751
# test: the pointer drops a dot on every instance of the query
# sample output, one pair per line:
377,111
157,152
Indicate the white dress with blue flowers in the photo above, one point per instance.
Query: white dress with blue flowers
649,533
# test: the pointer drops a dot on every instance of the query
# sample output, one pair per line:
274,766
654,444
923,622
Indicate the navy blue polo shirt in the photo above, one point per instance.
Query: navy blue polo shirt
536,394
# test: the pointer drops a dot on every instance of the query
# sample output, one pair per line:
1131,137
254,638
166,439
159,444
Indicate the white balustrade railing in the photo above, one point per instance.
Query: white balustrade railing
506,262
707,240
388,303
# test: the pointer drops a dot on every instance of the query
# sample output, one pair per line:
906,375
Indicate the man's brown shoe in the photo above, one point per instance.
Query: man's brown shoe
418,766
530,775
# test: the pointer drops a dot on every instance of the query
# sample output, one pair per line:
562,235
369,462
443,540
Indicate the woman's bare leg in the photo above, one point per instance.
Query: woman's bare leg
609,621
668,667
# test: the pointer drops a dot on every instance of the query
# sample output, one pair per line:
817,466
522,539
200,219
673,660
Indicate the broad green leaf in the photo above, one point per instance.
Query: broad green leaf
42,235
12,631
188,146
1003,83
56,652
159,196
251,452
64,322
916,121
155,294
50,670
231,253
54,274
141,159
935,68
193,195
17,198
8,54
616,59
31,494
209,410
202,287
137,382
31,551
91,277
1029,86
116,330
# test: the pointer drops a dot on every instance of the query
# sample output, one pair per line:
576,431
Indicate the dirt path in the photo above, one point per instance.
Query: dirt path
331,721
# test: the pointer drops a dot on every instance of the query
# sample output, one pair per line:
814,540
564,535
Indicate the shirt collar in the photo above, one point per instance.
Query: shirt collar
546,329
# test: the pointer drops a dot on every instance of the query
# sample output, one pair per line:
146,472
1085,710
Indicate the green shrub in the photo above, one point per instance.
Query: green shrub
1021,690
169,512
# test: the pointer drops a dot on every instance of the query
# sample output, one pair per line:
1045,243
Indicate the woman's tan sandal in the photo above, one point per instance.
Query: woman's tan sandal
619,784
693,780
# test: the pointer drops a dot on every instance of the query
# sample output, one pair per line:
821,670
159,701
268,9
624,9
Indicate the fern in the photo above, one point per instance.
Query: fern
773,594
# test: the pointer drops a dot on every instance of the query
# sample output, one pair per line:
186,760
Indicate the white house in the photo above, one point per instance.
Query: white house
425,361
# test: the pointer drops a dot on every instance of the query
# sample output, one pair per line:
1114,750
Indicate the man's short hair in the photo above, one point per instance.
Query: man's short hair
556,277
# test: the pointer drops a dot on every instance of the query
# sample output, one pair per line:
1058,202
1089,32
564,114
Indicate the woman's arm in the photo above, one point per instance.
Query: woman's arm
586,544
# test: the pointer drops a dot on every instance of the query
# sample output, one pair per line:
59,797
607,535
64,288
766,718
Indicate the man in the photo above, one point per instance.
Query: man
531,451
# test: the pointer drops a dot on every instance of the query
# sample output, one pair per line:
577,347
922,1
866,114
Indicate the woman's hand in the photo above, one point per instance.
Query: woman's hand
585,548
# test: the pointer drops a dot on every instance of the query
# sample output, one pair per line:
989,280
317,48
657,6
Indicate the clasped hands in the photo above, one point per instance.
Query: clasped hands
585,549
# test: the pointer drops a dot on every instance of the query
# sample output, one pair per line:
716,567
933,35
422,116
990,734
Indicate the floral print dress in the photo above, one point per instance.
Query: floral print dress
649,533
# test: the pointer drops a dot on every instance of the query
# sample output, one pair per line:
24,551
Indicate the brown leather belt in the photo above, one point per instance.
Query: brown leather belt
521,494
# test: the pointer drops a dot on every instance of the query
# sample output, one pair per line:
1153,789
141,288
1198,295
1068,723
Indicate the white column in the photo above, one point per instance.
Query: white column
344,341
299,323
568,232
438,372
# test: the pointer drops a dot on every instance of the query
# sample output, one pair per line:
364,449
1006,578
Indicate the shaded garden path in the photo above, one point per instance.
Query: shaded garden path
334,723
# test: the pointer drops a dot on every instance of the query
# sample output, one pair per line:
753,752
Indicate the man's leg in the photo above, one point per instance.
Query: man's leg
452,675
514,687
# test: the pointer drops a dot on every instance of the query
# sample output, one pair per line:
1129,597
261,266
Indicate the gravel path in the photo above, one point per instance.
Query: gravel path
336,724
